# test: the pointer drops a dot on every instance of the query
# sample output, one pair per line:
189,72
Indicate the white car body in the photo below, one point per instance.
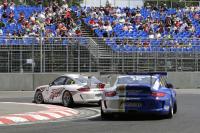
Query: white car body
53,92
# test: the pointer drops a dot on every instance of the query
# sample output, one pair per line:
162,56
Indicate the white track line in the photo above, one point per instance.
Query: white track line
53,114
39,117
16,119
64,113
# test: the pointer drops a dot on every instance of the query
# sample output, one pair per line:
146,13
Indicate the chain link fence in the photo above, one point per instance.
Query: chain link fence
32,55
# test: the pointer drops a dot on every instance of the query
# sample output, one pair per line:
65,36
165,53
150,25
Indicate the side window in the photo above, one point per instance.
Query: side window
59,81
69,81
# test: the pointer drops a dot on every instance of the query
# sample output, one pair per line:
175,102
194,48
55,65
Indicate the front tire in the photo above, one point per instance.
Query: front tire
67,99
38,98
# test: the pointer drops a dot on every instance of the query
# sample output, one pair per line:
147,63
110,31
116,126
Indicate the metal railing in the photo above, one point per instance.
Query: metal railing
27,55
140,3
174,3
115,3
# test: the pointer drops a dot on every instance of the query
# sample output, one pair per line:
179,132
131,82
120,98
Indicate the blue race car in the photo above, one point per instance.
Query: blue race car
140,92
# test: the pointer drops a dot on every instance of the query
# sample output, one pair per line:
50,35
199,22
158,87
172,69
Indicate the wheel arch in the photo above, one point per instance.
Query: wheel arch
65,90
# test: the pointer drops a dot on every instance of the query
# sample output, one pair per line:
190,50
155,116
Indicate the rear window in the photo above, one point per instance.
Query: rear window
83,79
137,79
94,80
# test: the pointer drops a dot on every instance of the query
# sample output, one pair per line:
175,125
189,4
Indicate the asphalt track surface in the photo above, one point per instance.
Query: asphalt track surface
187,120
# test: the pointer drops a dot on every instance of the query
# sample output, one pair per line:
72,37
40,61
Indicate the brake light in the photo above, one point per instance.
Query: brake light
84,89
158,94
101,86
110,94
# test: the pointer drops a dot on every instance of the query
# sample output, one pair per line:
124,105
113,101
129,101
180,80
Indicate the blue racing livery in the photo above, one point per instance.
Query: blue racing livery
140,92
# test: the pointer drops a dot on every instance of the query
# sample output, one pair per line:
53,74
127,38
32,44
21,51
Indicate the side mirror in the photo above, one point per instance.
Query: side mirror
169,85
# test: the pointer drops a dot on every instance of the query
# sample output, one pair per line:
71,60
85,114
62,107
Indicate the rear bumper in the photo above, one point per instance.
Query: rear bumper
88,97
160,107
137,111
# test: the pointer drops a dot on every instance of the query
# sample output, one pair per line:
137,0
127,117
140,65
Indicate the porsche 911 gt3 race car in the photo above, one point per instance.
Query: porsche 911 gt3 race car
139,93
69,89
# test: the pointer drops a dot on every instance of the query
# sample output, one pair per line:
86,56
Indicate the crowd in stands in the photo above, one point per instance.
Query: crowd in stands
144,27
147,22
35,21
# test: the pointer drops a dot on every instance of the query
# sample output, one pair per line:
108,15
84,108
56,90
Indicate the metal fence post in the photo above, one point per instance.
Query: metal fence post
8,61
67,58
78,57
21,67
33,61
41,53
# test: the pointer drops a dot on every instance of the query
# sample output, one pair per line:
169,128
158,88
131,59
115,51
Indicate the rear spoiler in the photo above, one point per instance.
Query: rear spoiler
135,73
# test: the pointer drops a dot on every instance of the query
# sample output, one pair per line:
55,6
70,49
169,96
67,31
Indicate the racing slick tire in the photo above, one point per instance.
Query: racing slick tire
175,108
38,97
67,99
171,111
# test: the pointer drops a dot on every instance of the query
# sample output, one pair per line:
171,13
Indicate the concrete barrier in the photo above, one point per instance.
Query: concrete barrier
184,80
180,80
29,81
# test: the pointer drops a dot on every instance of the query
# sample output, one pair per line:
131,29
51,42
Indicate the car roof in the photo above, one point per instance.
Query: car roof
73,75
155,76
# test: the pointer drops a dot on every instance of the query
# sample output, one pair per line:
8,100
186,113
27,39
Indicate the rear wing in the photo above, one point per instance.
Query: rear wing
149,73
134,73
110,75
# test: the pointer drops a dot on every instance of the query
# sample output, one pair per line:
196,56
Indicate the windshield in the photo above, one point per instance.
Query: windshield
137,79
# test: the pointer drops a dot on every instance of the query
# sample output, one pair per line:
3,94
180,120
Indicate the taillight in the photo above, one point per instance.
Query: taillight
101,86
158,94
84,89
110,94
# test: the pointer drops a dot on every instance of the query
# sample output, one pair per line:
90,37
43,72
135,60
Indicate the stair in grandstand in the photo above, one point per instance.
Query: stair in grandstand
86,32
97,46
96,43
98,49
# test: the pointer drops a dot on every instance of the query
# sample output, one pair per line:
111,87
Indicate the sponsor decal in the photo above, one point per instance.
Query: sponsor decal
121,89
121,105
56,93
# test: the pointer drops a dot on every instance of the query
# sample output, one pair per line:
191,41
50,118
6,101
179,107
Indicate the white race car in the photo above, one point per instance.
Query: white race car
69,89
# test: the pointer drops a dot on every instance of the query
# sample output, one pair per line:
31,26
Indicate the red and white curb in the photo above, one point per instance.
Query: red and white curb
52,112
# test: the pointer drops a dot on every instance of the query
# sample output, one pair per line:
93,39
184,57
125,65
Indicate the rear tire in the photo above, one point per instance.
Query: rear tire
99,103
67,99
38,97
175,108
171,111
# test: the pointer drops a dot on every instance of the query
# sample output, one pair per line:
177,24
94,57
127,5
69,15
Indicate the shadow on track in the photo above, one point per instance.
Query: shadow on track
129,117
85,105
76,105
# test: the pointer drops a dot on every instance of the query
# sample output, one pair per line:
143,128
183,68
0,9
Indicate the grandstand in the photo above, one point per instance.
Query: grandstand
58,38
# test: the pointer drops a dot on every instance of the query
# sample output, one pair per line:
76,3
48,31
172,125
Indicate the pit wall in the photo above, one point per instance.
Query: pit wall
29,81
